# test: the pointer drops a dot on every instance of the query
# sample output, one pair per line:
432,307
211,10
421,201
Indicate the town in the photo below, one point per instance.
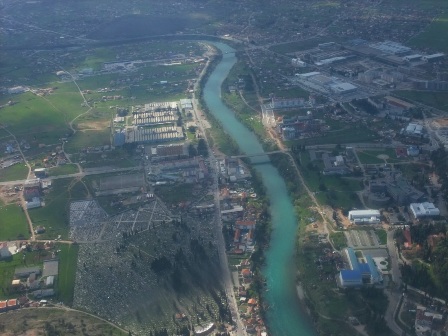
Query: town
124,182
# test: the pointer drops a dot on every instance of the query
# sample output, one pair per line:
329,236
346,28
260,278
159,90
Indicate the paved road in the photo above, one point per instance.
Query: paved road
86,172
394,295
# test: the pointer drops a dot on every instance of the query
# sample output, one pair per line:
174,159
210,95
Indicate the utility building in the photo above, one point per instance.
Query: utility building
364,216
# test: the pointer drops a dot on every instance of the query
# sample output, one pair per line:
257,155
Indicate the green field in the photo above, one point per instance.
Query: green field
68,257
54,215
438,100
63,170
339,240
88,138
351,135
41,119
13,223
434,36
16,172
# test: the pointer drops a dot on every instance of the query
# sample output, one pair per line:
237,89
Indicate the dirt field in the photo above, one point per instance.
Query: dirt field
41,321
442,122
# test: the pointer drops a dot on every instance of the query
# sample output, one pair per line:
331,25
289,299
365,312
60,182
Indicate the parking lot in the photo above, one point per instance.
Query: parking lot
362,238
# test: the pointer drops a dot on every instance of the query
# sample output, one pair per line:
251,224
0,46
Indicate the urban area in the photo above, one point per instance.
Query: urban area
135,199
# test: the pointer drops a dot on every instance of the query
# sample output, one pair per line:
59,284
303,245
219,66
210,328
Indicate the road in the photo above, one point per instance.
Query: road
394,293
86,172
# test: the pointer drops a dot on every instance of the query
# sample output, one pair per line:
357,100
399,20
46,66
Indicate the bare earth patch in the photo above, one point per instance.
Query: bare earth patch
383,157
93,125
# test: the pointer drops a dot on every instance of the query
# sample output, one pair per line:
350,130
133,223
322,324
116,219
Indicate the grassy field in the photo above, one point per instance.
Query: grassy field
438,100
88,138
41,119
351,135
434,36
173,194
339,240
54,215
285,48
331,190
13,223
16,172
63,170
67,272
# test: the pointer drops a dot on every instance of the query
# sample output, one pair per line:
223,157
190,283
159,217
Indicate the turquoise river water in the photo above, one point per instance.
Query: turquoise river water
285,316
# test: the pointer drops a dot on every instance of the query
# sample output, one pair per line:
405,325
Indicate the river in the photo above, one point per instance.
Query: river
285,316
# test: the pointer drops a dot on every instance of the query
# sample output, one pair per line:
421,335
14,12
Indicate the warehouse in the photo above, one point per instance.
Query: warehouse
425,209
364,216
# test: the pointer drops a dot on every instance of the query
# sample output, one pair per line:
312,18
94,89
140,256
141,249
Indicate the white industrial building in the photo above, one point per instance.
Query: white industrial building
433,57
341,88
425,209
364,216
414,129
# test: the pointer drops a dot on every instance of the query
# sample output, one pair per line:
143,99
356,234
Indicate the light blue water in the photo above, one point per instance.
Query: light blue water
285,316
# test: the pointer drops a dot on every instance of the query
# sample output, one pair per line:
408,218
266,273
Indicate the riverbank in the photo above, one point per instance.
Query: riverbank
284,314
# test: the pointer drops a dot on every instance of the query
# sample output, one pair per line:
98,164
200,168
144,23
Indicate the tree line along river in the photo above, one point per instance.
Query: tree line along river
285,315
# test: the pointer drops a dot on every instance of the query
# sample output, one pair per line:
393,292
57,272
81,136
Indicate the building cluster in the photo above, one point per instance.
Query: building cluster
426,321
361,271
316,81
299,126
232,169
32,193
392,187
187,170
250,307
152,123
241,216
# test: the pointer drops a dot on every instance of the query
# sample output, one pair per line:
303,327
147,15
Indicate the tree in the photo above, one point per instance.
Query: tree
202,148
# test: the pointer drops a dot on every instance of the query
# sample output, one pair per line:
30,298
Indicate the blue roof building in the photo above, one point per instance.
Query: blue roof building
350,278
119,139
360,273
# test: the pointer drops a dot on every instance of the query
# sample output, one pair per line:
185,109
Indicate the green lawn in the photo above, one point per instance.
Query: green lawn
63,170
68,257
369,157
16,172
13,223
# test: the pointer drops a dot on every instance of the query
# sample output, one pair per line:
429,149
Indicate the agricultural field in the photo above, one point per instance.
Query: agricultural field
13,223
